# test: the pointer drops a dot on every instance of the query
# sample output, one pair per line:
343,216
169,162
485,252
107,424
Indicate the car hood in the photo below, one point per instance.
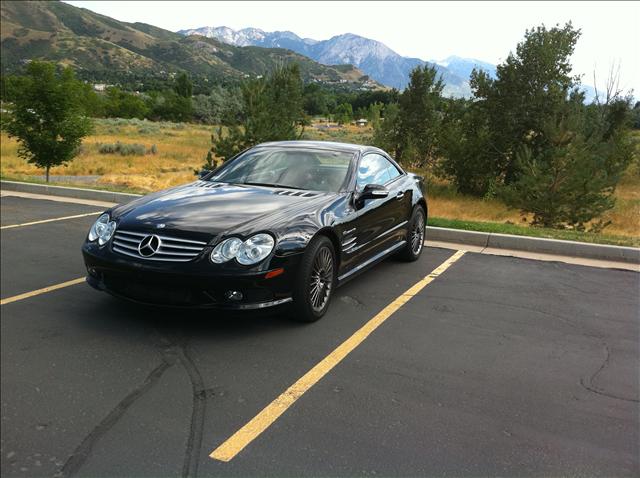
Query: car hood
203,210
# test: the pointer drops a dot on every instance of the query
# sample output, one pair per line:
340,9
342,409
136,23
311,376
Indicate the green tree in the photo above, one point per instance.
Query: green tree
572,182
531,88
170,106
120,104
47,115
343,114
464,142
316,100
272,110
420,118
411,127
374,113
183,86
387,134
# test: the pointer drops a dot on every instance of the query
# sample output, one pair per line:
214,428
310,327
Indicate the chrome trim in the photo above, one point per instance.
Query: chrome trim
262,305
378,256
164,238
173,249
153,258
349,241
353,249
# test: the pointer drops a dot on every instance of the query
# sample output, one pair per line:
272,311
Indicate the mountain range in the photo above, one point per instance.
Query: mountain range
101,48
374,58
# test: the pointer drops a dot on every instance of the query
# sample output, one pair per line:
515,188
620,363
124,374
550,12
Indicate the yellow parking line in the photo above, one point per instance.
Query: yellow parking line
50,220
44,290
258,424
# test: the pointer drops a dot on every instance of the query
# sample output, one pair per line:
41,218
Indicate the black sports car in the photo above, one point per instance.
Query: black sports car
283,222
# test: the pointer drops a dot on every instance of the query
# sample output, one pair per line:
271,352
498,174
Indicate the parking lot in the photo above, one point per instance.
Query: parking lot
497,366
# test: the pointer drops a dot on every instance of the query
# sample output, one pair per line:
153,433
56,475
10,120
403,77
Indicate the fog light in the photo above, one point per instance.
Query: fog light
234,295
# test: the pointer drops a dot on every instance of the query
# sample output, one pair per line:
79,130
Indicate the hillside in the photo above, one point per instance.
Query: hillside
102,48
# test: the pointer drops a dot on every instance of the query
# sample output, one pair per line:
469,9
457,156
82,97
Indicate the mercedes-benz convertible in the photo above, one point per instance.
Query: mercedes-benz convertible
281,223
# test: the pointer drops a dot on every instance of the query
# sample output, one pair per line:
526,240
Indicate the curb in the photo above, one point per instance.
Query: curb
535,244
442,234
77,193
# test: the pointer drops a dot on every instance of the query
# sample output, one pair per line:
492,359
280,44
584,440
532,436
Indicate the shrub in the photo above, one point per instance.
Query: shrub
123,149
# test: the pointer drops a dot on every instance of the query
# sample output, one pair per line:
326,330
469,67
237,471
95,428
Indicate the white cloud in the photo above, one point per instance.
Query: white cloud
427,30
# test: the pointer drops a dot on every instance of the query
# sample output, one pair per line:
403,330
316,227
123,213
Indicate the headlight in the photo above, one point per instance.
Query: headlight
226,250
251,251
102,230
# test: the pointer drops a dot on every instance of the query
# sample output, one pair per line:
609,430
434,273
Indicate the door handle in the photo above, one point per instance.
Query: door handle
400,195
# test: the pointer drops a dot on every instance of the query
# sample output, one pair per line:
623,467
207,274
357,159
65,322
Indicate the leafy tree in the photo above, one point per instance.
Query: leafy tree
317,100
120,104
272,110
419,116
572,182
343,114
464,141
169,106
531,88
635,114
374,113
387,134
411,128
47,115
221,105
183,86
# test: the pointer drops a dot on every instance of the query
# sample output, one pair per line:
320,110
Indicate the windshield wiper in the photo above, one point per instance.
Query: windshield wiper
272,185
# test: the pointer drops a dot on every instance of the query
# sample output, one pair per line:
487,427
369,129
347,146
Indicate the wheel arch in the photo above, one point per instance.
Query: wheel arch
333,237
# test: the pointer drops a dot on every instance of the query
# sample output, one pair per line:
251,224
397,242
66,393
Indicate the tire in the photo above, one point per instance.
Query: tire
415,236
316,281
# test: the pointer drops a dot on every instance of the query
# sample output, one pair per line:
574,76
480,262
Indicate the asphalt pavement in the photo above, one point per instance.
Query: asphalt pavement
500,366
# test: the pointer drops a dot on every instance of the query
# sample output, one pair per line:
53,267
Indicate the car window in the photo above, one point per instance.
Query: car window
393,170
310,169
375,169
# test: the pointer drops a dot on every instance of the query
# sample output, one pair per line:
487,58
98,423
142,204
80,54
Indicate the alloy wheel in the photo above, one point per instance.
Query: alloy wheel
321,279
417,234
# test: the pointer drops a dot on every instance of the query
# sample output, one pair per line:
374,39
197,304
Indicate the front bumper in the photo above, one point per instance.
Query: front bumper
193,284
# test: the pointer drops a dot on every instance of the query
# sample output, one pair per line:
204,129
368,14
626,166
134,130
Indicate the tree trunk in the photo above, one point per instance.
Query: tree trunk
47,172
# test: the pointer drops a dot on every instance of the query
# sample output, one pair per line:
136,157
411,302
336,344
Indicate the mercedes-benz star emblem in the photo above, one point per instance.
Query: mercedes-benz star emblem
149,245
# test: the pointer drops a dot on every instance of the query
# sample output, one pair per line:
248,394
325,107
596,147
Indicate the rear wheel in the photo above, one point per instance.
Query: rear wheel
415,236
316,281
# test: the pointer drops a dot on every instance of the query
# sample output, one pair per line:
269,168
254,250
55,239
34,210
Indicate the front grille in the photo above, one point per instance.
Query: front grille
170,248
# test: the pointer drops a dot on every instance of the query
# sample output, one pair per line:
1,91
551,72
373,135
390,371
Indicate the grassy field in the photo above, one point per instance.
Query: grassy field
181,148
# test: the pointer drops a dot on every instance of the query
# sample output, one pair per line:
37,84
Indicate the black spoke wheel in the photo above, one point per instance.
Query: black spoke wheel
316,281
415,236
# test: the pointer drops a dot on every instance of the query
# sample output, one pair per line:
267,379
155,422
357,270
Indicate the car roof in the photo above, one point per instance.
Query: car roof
328,145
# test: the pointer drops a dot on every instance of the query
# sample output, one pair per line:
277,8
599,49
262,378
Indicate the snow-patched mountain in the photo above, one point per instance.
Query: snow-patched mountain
371,56
464,66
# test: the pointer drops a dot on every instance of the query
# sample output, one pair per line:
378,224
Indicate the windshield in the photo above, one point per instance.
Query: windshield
309,169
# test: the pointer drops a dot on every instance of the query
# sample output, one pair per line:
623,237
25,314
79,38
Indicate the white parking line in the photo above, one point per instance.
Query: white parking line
46,197
51,220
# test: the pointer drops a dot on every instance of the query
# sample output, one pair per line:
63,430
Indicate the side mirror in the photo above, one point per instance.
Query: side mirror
371,191
203,173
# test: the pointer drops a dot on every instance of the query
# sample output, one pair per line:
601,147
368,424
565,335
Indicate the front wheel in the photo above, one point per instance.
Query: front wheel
415,236
316,281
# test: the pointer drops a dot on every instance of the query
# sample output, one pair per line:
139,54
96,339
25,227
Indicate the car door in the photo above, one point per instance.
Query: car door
376,222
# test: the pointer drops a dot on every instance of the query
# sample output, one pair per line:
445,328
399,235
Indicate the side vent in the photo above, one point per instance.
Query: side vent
303,194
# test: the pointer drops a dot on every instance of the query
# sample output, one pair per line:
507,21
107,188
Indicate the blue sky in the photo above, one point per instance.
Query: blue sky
427,30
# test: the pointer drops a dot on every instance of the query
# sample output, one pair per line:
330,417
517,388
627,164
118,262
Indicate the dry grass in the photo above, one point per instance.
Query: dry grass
182,149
